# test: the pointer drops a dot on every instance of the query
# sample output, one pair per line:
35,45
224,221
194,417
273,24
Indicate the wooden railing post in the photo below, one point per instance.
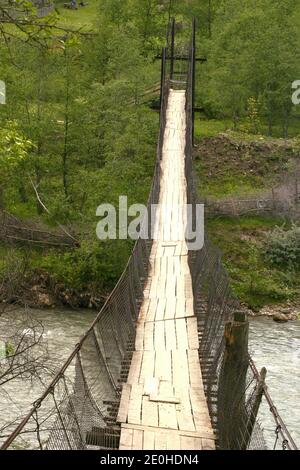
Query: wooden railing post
232,416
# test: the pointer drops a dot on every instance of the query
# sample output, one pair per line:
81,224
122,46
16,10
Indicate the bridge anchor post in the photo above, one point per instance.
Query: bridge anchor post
232,413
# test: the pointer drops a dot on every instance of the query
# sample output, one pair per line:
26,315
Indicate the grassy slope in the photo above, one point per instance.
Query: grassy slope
254,281
82,18
240,164
242,239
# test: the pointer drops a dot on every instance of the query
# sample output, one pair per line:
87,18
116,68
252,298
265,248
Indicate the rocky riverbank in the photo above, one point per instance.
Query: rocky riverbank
281,313
38,289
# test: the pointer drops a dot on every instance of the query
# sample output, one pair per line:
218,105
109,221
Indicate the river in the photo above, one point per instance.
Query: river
276,346
62,330
273,345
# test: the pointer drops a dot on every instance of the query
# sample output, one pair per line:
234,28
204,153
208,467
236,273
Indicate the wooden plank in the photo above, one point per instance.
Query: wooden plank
148,363
184,418
187,443
208,444
180,308
149,412
161,281
148,336
160,310
180,369
159,336
189,307
167,415
149,439
153,287
192,332
173,441
170,309
165,399
180,287
171,283
193,434
151,386
184,411
135,404
135,367
181,333
200,410
144,310
160,440
194,368
126,439
137,440
163,365
188,286
166,388
171,342
124,403
152,310
139,336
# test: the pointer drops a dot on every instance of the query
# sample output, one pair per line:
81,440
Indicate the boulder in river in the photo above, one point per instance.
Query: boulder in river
40,298
280,318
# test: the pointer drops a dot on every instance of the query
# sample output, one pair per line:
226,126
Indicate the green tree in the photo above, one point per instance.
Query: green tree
15,149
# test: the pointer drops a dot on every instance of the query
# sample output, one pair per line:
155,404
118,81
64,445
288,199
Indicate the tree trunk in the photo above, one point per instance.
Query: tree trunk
39,208
170,10
66,130
285,124
270,126
22,192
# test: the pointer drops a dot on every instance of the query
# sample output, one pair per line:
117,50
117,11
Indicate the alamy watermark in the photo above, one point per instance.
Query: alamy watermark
296,94
168,223
2,92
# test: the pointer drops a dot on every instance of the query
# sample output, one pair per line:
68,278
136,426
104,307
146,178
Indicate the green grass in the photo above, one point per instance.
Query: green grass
213,127
82,18
224,173
240,165
210,127
254,281
232,185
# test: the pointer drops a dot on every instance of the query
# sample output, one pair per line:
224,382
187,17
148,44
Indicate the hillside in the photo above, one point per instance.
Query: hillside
80,130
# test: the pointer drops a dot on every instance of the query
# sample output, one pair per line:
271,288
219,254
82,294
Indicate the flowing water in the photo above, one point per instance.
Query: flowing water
275,346
62,330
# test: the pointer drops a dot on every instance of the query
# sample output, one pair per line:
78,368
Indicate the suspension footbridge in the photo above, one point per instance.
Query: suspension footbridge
163,405
165,365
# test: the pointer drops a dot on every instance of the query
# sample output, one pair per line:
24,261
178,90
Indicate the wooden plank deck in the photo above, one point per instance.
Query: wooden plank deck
163,405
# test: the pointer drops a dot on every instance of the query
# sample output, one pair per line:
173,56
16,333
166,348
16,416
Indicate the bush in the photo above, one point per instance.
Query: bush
97,263
282,247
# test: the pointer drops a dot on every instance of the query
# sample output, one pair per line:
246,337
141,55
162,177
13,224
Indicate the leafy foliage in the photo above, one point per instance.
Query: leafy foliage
14,148
76,125
283,247
255,279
